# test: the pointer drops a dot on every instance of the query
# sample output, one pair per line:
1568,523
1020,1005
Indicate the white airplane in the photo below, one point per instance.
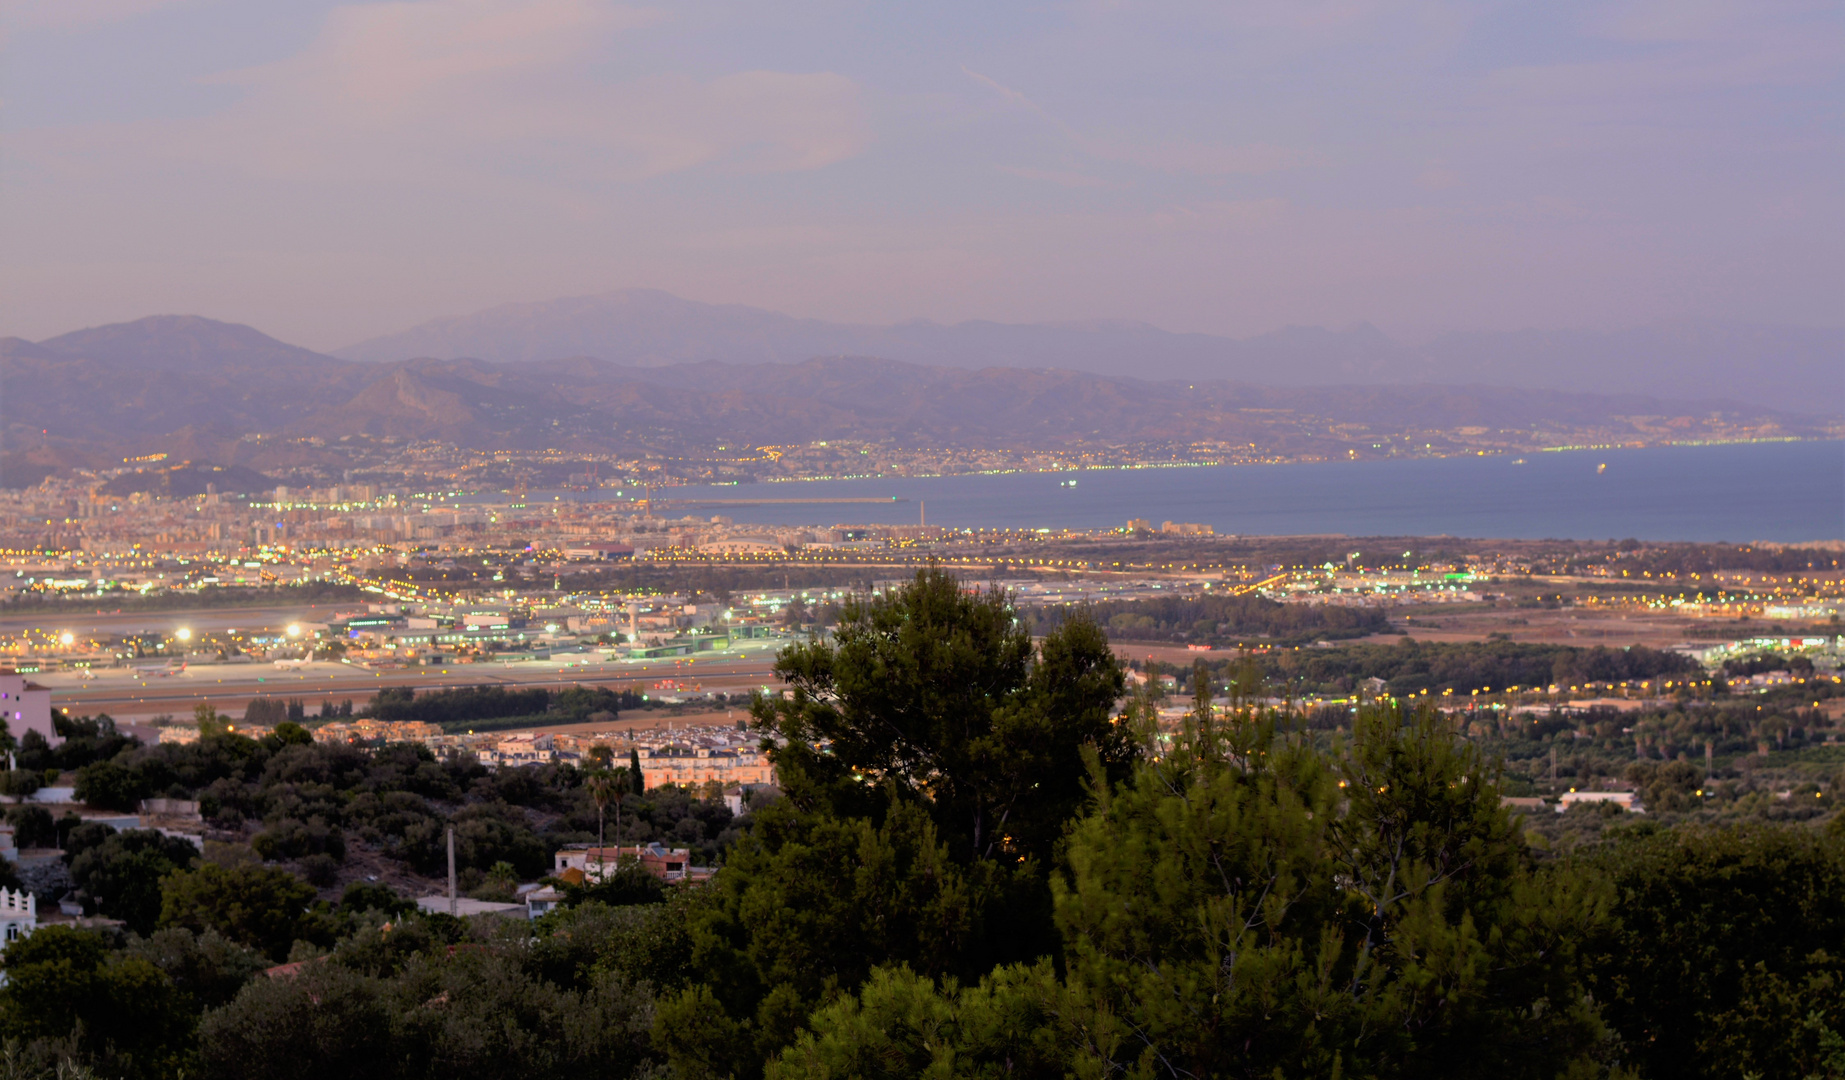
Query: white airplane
292,665
161,670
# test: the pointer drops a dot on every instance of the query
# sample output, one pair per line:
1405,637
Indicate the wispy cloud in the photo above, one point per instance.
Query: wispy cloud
1010,95
389,92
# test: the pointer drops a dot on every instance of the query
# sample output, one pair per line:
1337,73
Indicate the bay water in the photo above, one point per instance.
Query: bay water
1786,492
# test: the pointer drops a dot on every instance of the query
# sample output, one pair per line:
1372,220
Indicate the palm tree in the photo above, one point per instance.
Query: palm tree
601,788
618,790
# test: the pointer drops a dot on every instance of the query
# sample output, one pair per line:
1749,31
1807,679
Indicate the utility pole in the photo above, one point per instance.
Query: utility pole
454,906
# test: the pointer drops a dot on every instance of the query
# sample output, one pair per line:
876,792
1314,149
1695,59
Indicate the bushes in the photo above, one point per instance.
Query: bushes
32,826
121,877
485,833
1413,666
810,902
482,1010
485,706
263,908
325,1021
111,786
115,1007
902,1025
1219,618
291,838
1725,961
472,703
363,896
207,968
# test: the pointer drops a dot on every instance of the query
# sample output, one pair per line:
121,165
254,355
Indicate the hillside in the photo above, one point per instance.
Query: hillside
201,389
1777,367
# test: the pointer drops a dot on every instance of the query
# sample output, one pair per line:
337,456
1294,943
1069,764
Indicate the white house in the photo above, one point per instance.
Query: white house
18,915
542,900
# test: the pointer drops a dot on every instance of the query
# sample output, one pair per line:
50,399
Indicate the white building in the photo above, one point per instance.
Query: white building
542,901
18,915
26,706
1626,800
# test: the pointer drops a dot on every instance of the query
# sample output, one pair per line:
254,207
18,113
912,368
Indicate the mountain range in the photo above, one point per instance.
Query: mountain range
205,390
1778,367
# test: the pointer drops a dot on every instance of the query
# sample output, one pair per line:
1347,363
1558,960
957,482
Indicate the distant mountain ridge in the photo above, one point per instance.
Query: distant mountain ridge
185,343
203,390
1777,367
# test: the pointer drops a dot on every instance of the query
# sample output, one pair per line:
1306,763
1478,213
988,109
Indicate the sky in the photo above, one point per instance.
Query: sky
329,172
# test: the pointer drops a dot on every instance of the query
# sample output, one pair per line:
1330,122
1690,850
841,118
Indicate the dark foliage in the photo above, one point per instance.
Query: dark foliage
1413,666
984,866
263,908
1725,961
456,707
121,877
1210,618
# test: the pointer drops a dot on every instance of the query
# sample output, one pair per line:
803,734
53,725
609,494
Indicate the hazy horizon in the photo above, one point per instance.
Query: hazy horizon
331,172
1405,336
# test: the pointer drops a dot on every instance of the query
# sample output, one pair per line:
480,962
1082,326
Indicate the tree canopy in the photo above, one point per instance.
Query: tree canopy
988,862
937,693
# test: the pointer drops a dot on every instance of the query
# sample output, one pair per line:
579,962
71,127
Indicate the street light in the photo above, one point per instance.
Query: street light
183,633
294,629
67,638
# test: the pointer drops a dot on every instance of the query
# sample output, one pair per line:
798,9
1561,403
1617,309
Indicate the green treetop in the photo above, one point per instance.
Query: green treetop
937,693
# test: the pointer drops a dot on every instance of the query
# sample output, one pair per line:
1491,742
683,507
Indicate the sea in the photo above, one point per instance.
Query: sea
1781,491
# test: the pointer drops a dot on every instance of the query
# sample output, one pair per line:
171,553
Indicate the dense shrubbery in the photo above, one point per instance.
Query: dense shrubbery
979,868
121,875
1413,666
458,707
473,703
1218,619
1724,960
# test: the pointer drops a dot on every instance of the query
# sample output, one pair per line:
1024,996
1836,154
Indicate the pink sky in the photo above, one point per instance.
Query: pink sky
332,171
